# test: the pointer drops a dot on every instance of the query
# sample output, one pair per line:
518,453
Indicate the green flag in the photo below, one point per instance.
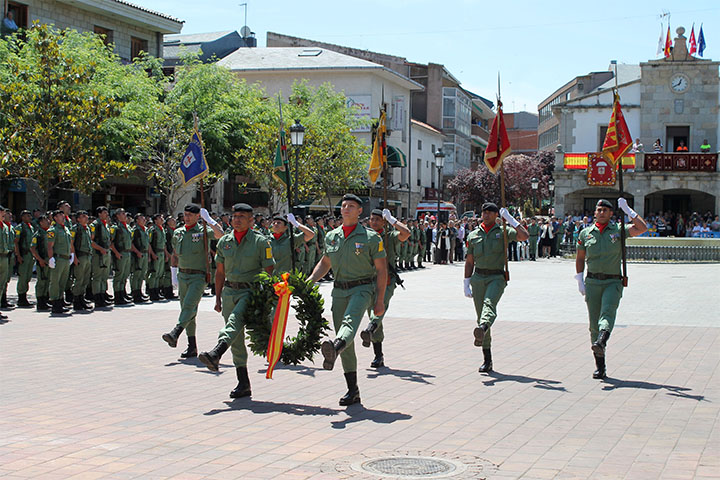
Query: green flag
280,166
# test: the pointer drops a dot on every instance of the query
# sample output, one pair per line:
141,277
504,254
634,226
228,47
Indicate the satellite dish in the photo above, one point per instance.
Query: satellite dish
245,31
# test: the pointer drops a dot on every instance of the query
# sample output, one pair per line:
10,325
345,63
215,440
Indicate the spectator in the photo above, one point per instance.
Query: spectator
715,225
546,238
705,147
681,147
637,147
696,229
658,146
8,24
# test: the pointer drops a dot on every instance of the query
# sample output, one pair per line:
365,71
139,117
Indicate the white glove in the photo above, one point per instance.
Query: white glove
72,257
508,218
51,263
466,288
388,216
581,283
293,221
173,276
206,216
622,203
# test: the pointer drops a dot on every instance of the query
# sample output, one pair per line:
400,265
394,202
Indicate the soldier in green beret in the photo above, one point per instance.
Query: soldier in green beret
82,242
166,284
121,245
24,233
39,251
280,241
311,243
600,246
158,254
139,264
62,254
533,232
101,262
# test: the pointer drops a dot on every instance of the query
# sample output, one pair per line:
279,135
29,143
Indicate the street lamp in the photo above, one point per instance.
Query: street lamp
439,162
534,183
297,135
551,187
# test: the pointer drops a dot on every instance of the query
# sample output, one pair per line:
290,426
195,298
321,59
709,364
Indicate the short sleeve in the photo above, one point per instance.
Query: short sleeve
266,253
378,248
512,234
581,241
219,255
175,240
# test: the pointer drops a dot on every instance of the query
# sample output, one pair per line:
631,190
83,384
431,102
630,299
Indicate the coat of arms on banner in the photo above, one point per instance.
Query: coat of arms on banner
600,172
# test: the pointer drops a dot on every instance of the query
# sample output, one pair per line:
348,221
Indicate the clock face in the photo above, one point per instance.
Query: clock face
679,83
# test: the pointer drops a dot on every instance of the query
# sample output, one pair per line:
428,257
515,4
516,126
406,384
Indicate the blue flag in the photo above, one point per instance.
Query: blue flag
701,42
193,166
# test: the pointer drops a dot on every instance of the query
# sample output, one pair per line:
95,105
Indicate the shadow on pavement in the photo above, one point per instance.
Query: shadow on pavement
539,382
272,407
358,413
409,375
300,369
186,361
613,383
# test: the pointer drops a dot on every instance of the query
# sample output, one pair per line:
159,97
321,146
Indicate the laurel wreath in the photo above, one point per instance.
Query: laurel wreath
308,311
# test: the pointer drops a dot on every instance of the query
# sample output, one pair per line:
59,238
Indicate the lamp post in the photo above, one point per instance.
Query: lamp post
551,187
439,162
297,135
534,183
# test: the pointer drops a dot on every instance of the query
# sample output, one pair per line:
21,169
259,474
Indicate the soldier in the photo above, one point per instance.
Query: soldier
23,240
82,243
415,246
167,281
140,245
158,254
101,261
65,207
242,254
422,240
357,257
121,245
189,257
484,272
280,241
312,254
9,259
392,236
61,254
533,232
38,249
5,249
600,246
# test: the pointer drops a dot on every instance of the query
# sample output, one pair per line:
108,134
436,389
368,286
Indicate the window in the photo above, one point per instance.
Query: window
432,148
419,144
20,14
601,140
137,45
549,137
106,33
419,172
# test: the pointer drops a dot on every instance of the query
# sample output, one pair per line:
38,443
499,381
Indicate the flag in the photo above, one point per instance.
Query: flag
498,144
693,43
617,139
701,42
668,42
280,165
661,41
277,334
193,166
379,149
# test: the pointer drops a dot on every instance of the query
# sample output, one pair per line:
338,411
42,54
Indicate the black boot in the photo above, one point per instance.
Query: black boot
487,364
69,298
143,296
23,301
600,364
379,360
100,301
172,337
4,303
598,347
108,298
169,293
138,297
243,386
127,296
211,359
88,304
479,334
120,299
42,304
58,307
331,350
366,335
160,292
353,394
154,294
78,304
191,351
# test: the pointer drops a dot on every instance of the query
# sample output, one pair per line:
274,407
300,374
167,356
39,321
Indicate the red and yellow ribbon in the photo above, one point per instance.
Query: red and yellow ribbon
277,335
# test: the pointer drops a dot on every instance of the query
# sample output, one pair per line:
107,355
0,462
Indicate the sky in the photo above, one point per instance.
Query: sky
535,46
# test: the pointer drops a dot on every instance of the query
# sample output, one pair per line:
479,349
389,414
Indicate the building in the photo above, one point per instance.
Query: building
674,99
210,46
482,118
522,129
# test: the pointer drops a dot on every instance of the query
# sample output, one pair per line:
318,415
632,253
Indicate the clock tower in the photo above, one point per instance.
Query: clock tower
679,99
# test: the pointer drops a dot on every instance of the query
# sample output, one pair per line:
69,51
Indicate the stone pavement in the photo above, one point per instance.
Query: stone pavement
102,396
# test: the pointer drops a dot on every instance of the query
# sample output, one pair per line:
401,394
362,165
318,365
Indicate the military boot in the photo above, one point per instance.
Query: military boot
100,301
486,367
120,299
4,303
243,387
600,373
598,347
23,301
191,351
69,298
78,304
331,350
128,297
211,359
154,294
59,308
169,293
379,360
137,297
172,337
108,298
42,304
479,334
353,394
88,304
366,335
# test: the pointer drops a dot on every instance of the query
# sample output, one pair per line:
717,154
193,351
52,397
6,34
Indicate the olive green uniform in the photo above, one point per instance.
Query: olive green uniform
61,239
6,247
352,259
391,242
121,238
100,263
421,246
139,264
488,251
189,246
83,253
559,237
39,241
281,250
242,262
156,268
24,233
11,255
311,258
166,280
534,232
603,255
71,272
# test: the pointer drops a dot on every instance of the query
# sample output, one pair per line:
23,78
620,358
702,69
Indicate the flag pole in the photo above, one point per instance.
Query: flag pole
286,163
502,189
383,156
202,205
622,189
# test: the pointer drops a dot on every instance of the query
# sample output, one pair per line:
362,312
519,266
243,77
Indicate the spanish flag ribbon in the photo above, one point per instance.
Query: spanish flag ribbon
277,334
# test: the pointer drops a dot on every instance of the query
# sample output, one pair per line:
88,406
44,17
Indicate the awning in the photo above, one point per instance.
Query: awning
394,203
396,158
432,207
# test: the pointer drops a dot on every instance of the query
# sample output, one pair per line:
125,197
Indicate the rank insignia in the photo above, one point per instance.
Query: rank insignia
497,235
614,237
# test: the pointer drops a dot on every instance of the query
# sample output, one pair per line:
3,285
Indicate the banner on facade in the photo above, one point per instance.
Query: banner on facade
600,172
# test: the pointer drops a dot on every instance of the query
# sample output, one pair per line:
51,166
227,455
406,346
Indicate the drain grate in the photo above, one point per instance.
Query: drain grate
414,467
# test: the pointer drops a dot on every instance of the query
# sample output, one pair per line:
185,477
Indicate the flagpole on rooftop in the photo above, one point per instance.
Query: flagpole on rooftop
616,99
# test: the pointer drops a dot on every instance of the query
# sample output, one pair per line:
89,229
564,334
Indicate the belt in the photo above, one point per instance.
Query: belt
354,283
484,271
192,271
82,254
4,254
64,257
603,276
238,285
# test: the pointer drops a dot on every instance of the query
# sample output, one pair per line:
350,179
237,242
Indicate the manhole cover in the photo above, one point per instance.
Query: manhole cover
409,466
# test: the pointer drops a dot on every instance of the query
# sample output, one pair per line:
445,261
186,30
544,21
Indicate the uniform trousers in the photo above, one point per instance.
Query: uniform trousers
602,298
348,308
100,272
378,335
82,274
234,302
486,292
25,270
59,278
191,287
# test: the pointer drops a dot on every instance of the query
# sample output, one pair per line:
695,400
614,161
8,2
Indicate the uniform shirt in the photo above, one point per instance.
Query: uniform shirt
281,250
488,249
189,246
39,241
392,244
169,239
60,236
353,258
602,250
81,239
140,238
10,232
533,230
24,232
244,260
121,237
4,239
100,233
156,237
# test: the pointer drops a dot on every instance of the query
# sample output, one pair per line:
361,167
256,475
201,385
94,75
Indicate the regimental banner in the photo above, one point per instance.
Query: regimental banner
579,161
600,171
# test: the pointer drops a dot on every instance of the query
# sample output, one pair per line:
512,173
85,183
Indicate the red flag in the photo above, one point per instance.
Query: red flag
617,139
668,42
693,42
498,144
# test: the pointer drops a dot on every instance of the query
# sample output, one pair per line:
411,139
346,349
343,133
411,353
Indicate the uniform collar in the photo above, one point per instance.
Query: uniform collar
240,235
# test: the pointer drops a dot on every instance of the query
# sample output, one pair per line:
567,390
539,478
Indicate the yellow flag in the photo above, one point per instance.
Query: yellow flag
379,150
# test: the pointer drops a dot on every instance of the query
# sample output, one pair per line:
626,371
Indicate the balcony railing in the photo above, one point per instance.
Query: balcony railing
479,131
681,162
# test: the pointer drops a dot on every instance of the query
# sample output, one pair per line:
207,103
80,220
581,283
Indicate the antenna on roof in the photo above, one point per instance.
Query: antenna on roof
245,30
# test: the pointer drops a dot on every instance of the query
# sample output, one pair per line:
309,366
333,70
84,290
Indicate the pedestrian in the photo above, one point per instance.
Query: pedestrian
24,233
600,246
158,254
485,280
101,260
280,241
82,244
241,255
61,255
358,259
547,238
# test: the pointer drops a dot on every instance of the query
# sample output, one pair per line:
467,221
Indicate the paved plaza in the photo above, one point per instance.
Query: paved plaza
102,396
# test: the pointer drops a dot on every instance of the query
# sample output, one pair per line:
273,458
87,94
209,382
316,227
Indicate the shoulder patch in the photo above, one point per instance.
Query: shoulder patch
380,246
33,241
50,234
72,234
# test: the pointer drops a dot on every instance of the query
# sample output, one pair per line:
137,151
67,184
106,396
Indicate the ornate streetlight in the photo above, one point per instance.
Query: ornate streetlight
297,135
439,162
535,183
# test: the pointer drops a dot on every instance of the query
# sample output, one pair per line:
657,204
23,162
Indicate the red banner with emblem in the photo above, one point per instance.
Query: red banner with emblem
600,172
498,144
617,139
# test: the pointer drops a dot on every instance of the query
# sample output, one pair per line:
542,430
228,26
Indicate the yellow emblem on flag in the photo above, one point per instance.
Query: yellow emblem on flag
380,247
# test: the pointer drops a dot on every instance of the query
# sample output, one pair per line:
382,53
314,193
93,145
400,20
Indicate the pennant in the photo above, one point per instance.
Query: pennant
498,143
701,42
692,42
280,165
661,41
193,166
277,334
379,149
617,139
668,43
